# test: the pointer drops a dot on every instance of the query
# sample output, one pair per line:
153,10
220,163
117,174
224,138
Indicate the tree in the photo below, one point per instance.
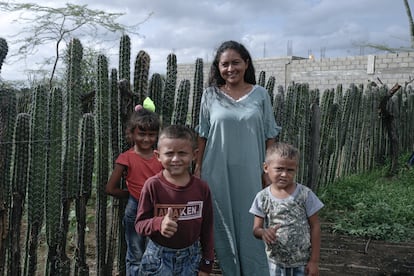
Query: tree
56,25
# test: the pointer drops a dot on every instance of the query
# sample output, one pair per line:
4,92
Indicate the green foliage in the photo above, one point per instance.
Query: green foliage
371,205
197,92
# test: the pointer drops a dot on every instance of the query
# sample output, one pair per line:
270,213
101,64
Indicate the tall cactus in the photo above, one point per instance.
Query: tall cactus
125,58
155,91
169,89
20,168
8,110
198,87
37,175
102,113
3,51
72,115
54,188
181,106
141,73
85,172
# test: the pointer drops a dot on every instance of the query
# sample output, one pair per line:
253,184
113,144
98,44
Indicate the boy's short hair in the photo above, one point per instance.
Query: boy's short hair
283,150
178,132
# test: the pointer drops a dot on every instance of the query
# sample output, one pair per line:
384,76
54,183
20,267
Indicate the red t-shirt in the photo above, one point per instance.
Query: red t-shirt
193,206
139,170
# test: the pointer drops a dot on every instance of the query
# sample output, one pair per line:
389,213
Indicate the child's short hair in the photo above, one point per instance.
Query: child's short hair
178,132
144,120
283,150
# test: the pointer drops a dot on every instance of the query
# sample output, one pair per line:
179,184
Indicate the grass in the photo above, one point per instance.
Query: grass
372,205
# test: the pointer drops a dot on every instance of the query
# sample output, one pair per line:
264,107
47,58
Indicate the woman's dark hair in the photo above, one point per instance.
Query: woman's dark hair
215,78
144,120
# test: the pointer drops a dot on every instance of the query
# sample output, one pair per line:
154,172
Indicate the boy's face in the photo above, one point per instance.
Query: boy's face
175,155
281,171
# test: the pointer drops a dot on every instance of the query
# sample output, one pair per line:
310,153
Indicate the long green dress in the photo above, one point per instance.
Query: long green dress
236,132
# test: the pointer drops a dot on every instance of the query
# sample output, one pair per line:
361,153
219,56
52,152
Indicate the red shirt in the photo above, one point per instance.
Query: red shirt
139,170
193,206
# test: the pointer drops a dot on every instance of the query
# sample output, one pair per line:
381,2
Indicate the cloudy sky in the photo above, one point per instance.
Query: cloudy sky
268,28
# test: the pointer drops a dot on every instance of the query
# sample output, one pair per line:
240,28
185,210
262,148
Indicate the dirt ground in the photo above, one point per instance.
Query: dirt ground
349,256
340,256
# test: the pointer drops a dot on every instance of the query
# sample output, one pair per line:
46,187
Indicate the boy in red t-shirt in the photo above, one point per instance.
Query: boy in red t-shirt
175,211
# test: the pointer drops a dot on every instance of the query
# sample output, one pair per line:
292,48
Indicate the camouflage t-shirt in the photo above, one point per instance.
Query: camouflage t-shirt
292,247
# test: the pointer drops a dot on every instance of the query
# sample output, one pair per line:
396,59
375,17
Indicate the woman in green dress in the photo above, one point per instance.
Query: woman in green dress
236,125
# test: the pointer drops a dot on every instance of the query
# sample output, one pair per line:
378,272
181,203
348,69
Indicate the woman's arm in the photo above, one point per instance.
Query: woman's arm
113,186
201,142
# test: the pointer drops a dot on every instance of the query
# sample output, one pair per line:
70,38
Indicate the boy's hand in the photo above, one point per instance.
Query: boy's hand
168,225
269,234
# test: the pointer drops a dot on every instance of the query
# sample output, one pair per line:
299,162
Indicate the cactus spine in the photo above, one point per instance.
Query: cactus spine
270,86
262,78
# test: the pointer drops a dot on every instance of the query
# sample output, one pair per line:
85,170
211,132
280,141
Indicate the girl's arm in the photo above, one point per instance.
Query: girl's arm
113,186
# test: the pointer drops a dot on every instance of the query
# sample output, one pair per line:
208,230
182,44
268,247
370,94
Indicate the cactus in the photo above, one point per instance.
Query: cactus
197,92
125,58
54,188
37,174
86,163
8,103
102,113
142,64
270,86
3,51
71,118
169,90
116,138
19,182
155,91
181,107
262,78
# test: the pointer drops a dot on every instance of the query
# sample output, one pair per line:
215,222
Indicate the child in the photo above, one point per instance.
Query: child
175,211
136,165
286,216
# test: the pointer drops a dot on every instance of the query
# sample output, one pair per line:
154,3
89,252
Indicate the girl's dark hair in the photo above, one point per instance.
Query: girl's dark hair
144,120
215,78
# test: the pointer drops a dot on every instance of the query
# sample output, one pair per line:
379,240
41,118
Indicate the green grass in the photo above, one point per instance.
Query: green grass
372,205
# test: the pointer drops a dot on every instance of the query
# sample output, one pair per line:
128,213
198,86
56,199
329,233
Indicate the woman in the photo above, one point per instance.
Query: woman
235,127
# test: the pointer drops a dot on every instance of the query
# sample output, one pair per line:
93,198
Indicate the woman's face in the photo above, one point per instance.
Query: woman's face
232,67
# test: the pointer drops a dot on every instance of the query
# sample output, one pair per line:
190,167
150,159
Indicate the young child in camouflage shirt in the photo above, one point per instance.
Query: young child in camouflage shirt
286,216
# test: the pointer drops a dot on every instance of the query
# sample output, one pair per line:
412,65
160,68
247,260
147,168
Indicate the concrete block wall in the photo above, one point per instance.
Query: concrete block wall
326,73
